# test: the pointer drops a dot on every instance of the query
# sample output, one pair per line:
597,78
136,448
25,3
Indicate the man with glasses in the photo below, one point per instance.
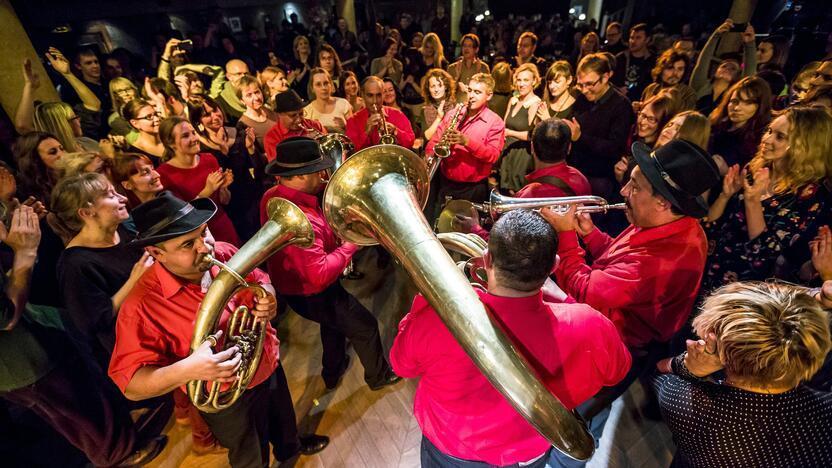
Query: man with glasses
612,39
602,122
228,100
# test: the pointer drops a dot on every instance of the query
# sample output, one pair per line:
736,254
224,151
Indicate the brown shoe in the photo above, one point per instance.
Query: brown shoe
146,454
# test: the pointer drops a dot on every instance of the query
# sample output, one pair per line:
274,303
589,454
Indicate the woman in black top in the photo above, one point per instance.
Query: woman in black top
98,267
145,119
739,121
764,340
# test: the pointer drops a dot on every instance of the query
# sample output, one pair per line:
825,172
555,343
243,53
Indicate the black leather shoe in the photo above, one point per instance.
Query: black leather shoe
312,444
146,454
390,378
332,384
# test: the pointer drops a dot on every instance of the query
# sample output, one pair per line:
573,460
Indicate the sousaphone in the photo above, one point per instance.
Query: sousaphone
377,196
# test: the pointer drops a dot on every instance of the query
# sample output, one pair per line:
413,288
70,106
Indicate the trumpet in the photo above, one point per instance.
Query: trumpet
498,204
386,138
311,131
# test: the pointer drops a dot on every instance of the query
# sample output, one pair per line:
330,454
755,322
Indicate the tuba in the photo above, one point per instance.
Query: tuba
287,225
376,197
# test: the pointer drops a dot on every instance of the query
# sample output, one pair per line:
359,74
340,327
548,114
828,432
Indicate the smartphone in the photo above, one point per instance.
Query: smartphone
739,27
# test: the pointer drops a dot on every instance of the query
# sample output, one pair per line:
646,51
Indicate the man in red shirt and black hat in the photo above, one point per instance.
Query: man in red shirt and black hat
646,279
308,277
290,122
152,354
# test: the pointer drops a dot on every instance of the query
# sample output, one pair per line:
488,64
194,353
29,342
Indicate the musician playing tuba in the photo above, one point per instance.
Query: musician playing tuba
290,122
475,145
152,354
575,350
308,278
367,126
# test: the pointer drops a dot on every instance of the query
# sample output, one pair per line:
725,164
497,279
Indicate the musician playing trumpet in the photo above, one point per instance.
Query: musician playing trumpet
475,145
152,354
367,126
290,122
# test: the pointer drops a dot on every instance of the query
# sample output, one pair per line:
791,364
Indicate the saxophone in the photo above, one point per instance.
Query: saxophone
443,149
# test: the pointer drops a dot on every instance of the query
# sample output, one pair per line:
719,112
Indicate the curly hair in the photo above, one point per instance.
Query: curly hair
441,75
666,60
810,149
768,334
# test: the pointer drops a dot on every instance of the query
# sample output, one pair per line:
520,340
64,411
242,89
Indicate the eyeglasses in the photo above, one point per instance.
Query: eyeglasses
149,117
649,118
74,117
587,85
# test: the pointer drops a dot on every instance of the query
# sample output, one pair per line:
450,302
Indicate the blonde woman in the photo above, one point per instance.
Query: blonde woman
557,99
516,160
59,119
687,125
766,206
73,164
300,66
331,111
767,338
122,91
273,82
433,54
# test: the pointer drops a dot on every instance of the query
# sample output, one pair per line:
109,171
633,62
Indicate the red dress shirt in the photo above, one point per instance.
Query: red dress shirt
278,133
573,348
187,183
156,322
472,163
298,271
568,174
358,122
644,280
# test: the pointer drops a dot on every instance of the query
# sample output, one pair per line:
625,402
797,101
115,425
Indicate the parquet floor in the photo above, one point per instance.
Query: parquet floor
377,429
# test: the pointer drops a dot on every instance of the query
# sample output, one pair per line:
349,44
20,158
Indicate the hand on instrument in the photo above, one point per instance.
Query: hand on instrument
373,122
585,224
562,222
462,223
265,308
204,364
455,137
702,357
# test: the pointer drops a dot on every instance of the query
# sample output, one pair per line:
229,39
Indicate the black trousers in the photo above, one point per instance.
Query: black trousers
263,414
341,316
441,188
83,409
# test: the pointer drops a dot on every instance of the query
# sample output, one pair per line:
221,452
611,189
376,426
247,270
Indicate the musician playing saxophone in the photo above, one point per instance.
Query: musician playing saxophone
156,322
290,122
367,126
475,146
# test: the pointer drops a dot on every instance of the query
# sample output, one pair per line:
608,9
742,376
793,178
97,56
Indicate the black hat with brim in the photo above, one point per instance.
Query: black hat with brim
298,156
166,217
288,101
681,172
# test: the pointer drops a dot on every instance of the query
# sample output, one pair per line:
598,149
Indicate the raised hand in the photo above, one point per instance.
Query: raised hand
732,182
754,190
58,61
30,78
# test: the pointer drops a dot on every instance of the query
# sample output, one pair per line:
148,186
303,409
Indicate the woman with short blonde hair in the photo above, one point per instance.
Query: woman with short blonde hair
768,338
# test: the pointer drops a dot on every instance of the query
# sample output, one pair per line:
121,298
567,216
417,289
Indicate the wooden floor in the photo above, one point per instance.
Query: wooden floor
377,429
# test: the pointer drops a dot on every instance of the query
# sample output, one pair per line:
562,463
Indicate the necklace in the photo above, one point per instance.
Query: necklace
560,102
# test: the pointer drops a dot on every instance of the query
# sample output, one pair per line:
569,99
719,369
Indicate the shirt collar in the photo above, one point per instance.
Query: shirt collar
683,225
555,169
169,283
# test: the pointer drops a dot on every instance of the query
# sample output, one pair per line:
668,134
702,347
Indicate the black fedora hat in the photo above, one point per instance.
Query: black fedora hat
166,217
297,156
288,101
681,172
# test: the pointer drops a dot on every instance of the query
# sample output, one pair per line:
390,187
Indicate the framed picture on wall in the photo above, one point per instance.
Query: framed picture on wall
235,24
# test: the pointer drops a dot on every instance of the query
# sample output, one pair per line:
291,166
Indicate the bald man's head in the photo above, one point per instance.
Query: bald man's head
234,70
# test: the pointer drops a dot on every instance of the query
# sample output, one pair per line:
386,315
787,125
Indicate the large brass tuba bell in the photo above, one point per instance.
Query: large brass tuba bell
287,225
376,197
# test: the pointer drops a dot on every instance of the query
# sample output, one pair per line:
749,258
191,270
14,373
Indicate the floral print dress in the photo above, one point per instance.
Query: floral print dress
788,217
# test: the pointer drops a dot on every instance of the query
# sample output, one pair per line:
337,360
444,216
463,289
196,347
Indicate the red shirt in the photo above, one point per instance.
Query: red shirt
568,174
278,133
156,322
299,271
472,163
187,183
644,280
573,348
359,137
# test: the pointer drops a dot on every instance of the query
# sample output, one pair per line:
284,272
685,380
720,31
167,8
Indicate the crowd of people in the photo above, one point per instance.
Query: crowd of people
710,286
